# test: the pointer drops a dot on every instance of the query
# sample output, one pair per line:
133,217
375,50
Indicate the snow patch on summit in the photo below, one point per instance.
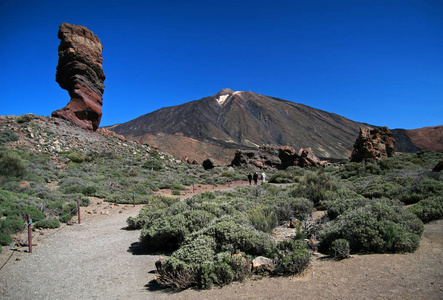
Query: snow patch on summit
222,99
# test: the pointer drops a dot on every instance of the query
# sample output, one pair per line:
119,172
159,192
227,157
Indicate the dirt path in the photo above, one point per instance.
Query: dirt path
98,260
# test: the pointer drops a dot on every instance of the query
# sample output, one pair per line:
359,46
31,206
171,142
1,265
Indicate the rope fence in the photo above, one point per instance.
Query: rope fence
28,227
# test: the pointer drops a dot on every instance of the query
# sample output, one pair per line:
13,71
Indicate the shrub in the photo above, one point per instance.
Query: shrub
76,157
170,232
288,209
428,210
11,225
263,218
376,227
176,192
153,164
5,239
7,136
11,165
24,118
47,224
422,188
291,257
314,186
23,212
231,236
340,249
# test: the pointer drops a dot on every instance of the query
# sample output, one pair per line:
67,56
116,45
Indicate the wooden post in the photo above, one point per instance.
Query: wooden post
29,234
78,213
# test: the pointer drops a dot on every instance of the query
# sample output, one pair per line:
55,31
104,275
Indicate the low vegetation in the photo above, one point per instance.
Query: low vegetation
213,237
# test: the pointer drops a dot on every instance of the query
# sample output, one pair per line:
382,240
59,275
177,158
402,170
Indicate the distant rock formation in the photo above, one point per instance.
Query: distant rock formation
438,167
270,157
80,72
372,145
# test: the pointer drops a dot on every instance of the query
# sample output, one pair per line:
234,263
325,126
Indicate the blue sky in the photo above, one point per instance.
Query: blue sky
379,62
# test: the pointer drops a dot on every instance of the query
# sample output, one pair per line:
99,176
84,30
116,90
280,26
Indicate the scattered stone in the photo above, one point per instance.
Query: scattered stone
24,184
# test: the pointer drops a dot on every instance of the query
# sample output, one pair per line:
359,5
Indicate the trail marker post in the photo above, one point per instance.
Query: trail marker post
78,213
29,234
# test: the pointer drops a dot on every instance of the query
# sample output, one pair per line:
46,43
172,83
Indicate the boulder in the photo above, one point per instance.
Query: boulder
438,167
208,164
80,72
262,265
372,145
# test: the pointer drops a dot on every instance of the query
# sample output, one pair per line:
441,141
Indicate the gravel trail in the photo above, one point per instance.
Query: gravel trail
87,261
99,260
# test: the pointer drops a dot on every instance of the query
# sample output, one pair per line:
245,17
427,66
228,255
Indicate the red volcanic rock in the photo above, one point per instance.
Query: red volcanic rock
270,157
80,72
372,145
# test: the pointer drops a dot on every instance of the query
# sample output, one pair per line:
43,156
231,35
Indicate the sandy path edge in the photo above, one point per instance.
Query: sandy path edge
93,261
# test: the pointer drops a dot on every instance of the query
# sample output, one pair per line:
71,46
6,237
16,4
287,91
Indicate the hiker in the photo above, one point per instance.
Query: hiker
255,178
263,177
250,178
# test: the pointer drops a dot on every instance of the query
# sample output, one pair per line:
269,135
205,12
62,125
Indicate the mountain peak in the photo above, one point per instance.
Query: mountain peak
223,95
223,92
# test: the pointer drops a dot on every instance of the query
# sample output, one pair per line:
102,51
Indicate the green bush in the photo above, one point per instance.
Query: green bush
24,118
428,210
5,239
263,218
11,225
376,227
289,209
11,165
76,157
231,236
153,164
7,136
422,188
291,257
170,232
51,224
23,213
314,186
340,249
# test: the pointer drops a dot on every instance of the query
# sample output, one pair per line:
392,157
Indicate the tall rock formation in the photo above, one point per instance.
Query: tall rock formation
372,145
80,72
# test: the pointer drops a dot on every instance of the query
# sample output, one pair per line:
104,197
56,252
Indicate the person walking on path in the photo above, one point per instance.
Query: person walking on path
263,177
255,178
250,178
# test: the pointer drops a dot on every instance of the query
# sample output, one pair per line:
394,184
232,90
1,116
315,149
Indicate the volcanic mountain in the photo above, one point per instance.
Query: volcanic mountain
216,126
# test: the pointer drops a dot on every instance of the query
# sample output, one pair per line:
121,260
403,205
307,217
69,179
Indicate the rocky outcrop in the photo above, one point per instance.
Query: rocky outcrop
208,164
372,145
80,72
271,157
438,167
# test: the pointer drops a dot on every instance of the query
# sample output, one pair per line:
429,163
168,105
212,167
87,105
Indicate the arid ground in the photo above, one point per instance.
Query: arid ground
99,259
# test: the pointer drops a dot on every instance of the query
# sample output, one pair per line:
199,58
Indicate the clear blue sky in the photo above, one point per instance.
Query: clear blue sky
373,61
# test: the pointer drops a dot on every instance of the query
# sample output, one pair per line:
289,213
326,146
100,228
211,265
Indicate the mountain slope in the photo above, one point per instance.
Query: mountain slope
246,120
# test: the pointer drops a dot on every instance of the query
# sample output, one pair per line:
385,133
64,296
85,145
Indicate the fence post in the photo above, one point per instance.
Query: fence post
29,234
78,213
